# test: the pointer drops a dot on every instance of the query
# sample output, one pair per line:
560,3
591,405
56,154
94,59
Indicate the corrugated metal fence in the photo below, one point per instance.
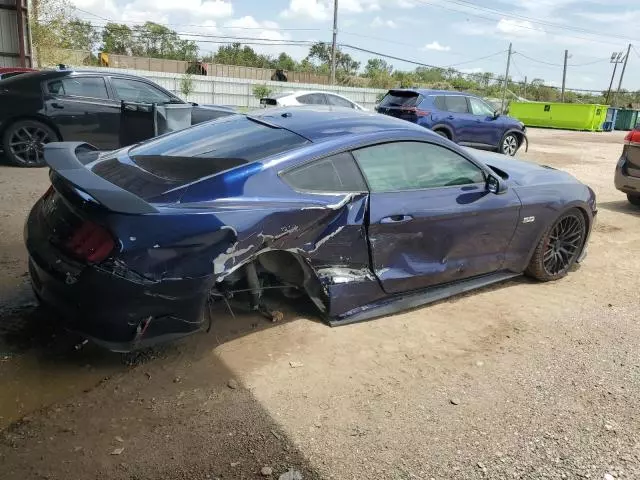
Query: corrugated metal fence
238,92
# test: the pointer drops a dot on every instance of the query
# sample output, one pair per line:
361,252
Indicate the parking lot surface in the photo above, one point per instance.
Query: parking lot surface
520,380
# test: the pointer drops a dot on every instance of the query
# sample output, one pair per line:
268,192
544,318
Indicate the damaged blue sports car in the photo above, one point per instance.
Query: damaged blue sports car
365,214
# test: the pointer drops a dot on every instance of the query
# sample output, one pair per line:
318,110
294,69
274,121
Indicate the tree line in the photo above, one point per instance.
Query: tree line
55,28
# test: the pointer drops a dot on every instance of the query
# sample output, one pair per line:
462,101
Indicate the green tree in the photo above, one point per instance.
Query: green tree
79,35
285,62
47,20
376,67
117,39
320,55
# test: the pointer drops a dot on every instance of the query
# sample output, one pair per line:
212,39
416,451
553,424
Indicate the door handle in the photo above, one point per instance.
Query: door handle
450,117
397,219
57,105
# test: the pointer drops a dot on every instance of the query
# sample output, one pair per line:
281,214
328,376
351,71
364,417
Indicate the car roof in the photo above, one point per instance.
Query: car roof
427,92
319,122
50,74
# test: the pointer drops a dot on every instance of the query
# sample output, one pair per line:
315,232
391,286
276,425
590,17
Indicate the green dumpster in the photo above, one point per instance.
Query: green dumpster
627,119
570,116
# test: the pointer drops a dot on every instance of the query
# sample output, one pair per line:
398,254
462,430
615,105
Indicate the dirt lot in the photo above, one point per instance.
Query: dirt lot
522,380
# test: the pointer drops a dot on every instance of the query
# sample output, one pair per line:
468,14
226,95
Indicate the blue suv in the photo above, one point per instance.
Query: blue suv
463,118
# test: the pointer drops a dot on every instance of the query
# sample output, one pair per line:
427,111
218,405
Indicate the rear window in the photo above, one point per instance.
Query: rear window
230,141
400,99
179,158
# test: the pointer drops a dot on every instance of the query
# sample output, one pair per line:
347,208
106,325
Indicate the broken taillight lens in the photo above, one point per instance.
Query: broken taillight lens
632,137
90,242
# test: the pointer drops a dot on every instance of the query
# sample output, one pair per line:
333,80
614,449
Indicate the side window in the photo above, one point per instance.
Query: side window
313,99
338,173
456,104
136,91
93,87
478,107
440,103
337,101
413,166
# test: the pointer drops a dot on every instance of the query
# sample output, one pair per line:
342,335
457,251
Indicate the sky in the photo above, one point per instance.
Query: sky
470,35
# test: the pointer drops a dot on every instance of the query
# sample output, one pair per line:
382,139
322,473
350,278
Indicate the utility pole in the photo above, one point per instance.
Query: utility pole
333,44
564,75
616,58
624,67
506,80
525,87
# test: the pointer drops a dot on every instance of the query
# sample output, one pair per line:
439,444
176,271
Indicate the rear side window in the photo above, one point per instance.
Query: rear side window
456,104
338,173
93,87
339,101
231,140
440,103
397,98
313,99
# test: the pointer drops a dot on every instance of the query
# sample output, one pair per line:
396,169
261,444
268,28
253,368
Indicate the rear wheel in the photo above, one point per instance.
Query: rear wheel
634,199
23,142
510,144
559,247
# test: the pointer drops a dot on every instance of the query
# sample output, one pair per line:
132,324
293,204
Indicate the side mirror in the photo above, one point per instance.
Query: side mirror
496,114
496,185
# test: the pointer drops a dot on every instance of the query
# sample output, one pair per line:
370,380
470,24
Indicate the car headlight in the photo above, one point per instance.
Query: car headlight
521,125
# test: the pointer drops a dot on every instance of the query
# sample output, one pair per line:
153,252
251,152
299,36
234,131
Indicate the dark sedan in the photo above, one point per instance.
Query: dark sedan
627,178
64,105
364,214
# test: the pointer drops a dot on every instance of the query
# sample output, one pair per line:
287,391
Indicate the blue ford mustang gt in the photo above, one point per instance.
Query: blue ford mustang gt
365,214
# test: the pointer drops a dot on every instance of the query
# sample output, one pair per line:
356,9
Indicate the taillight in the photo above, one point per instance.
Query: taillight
417,112
632,137
90,242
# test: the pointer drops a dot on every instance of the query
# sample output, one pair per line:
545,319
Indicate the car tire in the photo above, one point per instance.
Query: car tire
23,142
559,247
634,199
443,133
510,144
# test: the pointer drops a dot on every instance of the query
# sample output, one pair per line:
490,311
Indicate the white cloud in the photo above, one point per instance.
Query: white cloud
314,9
378,22
435,45
472,70
518,28
321,10
406,3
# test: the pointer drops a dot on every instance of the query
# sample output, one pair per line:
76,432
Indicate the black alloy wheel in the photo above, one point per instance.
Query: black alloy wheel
559,247
563,245
24,143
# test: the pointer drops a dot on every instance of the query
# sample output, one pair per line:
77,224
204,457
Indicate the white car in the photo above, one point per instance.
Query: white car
287,99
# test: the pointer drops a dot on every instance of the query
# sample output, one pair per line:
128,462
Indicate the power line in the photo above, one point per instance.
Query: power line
560,64
533,19
492,20
223,27
477,59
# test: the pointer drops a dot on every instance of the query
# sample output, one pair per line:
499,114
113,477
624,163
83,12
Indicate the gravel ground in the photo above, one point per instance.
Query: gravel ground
521,380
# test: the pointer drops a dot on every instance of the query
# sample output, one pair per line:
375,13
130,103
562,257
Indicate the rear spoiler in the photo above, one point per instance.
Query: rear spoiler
62,158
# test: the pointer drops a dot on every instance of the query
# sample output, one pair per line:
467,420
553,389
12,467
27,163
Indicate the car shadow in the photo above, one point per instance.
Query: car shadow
620,206
67,407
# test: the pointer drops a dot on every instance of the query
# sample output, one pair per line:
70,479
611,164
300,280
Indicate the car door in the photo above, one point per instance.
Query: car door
431,218
313,99
488,131
82,110
459,119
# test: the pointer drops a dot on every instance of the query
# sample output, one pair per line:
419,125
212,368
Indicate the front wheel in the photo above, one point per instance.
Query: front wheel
510,144
559,247
634,199
23,142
